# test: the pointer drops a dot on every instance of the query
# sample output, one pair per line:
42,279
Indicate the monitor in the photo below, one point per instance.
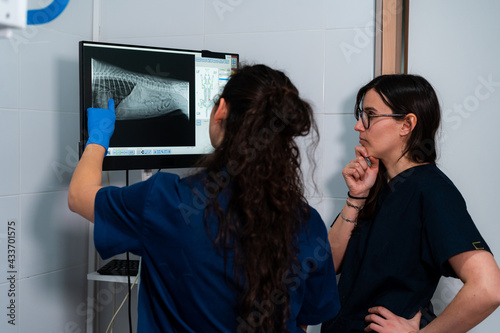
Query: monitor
163,100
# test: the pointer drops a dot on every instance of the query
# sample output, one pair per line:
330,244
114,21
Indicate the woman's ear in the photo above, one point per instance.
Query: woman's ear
221,112
409,123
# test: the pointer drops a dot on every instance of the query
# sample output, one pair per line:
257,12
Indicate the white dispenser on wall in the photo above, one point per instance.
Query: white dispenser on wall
13,15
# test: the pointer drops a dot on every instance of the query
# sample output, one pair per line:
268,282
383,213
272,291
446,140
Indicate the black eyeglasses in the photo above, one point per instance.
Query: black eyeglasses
365,117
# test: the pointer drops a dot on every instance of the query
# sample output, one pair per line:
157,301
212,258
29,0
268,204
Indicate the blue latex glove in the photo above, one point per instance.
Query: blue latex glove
101,124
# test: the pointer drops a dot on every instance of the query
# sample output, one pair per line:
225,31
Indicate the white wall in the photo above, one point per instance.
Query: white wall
38,135
325,46
454,44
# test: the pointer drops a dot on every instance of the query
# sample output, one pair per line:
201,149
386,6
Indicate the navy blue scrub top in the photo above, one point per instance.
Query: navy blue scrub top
397,259
185,283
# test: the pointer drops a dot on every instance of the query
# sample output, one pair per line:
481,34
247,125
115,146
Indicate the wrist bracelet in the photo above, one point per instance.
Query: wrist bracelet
346,219
358,208
357,198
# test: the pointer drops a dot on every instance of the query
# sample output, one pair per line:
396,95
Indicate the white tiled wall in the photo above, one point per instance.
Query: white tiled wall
9,68
454,46
54,302
9,141
50,61
47,227
38,135
48,167
151,18
353,51
326,47
300,54
222,16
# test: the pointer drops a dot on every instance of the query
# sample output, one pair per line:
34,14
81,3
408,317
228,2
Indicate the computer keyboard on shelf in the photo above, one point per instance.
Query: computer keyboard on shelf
119,267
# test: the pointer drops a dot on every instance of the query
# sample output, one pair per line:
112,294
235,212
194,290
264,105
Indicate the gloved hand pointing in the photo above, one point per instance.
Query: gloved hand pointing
101,124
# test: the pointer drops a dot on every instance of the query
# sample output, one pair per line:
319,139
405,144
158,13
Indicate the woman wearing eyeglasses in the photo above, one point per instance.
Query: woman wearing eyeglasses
404,223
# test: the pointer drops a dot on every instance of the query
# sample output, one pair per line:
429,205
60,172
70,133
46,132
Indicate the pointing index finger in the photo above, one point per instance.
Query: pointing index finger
111,105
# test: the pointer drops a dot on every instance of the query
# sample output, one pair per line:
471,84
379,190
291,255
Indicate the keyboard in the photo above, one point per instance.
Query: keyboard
119,267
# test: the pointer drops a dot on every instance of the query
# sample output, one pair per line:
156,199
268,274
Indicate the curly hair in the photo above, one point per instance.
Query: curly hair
267,206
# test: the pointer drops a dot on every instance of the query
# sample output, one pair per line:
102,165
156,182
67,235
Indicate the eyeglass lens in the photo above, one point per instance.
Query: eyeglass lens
365,120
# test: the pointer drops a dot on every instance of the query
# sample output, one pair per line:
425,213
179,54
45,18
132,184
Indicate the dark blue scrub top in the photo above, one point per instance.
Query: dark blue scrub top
185,284
397,259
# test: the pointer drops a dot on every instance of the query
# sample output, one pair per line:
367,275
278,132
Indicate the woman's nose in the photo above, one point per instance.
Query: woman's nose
359,126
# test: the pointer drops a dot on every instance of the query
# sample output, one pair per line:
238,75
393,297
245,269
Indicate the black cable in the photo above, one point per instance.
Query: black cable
129,295
128,277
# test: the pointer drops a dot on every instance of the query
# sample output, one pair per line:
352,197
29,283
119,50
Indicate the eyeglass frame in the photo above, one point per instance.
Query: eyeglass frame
360,112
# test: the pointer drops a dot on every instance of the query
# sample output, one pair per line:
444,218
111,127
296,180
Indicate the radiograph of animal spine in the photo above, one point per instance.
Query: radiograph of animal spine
137,95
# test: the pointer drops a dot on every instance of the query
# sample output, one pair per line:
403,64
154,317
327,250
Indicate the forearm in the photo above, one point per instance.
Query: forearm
465,311
359,178
86,181
341,231
477,299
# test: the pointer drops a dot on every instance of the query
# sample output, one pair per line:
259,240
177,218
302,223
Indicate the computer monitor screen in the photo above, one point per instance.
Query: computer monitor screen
163,100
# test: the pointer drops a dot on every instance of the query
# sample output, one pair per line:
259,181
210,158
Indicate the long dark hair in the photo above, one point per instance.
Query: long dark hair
404,94
267,207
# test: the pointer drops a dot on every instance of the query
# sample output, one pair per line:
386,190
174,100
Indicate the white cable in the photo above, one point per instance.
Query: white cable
123,302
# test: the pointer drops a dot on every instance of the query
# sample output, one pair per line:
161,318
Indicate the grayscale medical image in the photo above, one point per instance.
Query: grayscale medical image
137,95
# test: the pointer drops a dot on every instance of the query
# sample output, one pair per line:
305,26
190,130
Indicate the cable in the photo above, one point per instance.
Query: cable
130,285
128,277
130,298
123,302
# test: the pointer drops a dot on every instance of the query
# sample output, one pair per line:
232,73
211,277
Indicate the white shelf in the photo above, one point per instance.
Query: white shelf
94,276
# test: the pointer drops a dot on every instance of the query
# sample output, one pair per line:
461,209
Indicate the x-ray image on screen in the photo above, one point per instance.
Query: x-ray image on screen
152,93
137,95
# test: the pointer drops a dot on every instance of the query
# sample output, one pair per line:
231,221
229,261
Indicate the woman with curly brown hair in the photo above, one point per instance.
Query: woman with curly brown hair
234,247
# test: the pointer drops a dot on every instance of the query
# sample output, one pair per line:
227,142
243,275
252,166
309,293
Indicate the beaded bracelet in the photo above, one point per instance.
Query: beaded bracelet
346,219
353,206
